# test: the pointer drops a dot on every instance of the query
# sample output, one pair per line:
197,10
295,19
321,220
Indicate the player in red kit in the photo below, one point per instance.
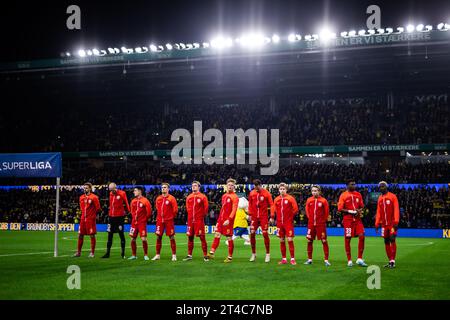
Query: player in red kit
388,217
167,208
197,208
285,208
259,202
118,206
141,211
90,206
225,221
317,212
350,205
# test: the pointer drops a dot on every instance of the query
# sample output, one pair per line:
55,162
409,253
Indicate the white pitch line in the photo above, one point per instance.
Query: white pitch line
67,255
24,254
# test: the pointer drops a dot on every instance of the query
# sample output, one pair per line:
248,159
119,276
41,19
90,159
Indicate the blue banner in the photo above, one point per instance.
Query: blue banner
30,165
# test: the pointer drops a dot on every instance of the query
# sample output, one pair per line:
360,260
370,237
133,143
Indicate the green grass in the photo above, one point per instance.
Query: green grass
28,270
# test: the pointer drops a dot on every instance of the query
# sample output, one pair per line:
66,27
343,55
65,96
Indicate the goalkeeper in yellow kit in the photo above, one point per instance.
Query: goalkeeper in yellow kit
240,226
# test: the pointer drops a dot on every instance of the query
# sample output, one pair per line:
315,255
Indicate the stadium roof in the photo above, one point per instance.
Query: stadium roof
365,64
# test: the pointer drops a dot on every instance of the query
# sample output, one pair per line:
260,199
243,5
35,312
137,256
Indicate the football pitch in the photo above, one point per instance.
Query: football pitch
28,270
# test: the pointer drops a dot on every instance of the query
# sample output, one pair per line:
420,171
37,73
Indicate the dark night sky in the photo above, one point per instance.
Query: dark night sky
38,29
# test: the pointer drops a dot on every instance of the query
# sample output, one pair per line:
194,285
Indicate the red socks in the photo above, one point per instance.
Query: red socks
283,249
387,246
173,245
145,246
266,242
291,249
253,242
348,249
215,244
80,244
326,250
133,247
360,247
93,242
310,249
204,245
393,250
158,245
190,245
230,248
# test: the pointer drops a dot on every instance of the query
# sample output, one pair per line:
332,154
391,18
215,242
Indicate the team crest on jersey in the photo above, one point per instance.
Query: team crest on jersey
319,204
388,201
286,202
118,197
140,204
228,200
198,200
89,201
357,200
261,198
167,201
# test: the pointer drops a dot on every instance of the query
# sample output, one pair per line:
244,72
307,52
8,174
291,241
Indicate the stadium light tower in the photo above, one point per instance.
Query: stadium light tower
252,40
325,35
221,42
275,38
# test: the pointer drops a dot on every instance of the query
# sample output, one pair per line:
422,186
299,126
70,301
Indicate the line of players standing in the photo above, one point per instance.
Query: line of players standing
262,209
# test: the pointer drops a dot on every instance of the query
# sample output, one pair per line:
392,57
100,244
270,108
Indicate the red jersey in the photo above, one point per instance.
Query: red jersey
285,208
89,205
196,206
388,210
230,203
167,208
350,200
141,210
317,211
259,203
117,201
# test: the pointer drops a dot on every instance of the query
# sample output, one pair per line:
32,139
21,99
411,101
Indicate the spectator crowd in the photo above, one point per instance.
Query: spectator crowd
420,207
345,122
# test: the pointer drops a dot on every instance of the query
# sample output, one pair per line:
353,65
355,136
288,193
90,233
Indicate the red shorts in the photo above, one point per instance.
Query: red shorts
256,223
286,229
87,227
388,231
353,228
196,228
138,229
318,232
226,231
167,225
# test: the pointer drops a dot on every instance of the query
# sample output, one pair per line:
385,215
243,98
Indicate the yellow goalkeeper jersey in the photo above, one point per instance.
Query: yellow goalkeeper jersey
240,221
